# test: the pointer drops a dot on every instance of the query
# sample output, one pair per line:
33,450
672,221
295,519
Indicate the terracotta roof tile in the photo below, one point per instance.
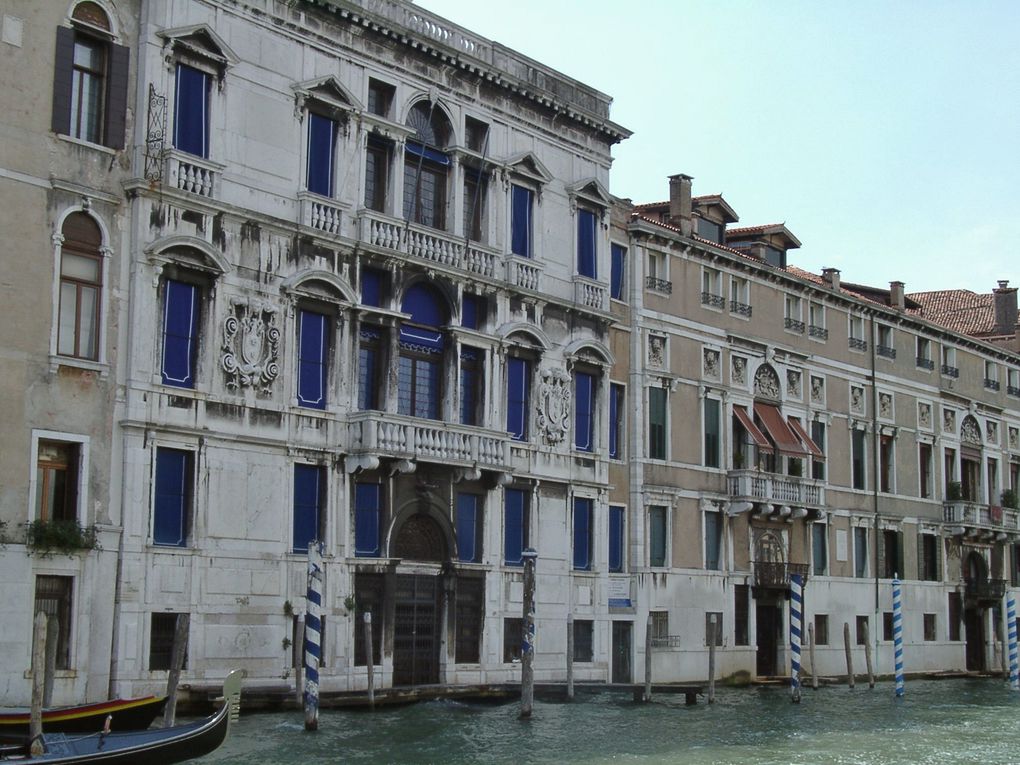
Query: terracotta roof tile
962,311
816,279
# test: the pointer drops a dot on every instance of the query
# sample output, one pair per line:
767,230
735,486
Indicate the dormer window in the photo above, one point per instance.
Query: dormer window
710,230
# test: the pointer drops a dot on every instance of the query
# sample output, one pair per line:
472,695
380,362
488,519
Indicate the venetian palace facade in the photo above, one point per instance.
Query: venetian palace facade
340,270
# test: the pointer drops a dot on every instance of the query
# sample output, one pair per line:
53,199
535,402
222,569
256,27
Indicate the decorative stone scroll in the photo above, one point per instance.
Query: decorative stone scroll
554,405
766,383
251,345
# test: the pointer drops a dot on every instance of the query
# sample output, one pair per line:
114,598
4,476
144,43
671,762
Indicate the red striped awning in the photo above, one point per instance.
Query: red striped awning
752,430
802,434
777,428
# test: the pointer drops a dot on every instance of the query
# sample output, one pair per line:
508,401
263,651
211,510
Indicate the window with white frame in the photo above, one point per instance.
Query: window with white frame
54,597
740,296
923,353
949,368
819,549
711,288
991,375
658,535
856,338
1013,382
60,480
816,321
657,273
793,321
885,345
79,320
713,541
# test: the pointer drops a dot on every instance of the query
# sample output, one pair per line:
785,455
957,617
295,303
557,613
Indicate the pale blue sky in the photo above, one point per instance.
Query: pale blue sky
885,134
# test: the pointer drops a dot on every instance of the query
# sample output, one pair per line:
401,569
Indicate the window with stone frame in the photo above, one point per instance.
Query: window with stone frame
53,597
79,321
56,485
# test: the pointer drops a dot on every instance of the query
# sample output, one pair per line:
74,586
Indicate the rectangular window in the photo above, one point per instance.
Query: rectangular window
657,423
820,548
473,309
955,614
582,533
521,204
818,436
377,170
928,558
56,481
368,368
513,636
191,111
862,630
81,281
173,493
821,629
89,88
425,178
890,554
617,271
367,520
617,515
470,603
471,392
929,627
319,171
584,638
313,345
584,411
741,611
712,432
816,321
380,97
657,528
713,541
515,526
419,383
162,628
885,346
857,456
518,388
617,404
886,464
660,627
860,552
740,300
586,251
180,333
714,627
309,496
369,598
474,203
887,625
469,528
925,470
53,598
923,353
373,282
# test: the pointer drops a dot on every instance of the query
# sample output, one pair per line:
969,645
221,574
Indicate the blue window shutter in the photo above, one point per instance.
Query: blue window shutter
616,515
321,151
615,400
307,505
314,346
420,150
180,330
582,534
191,117
586,244
471,311
170,516
467,527
520,216
368,369
371,287
367,511
518,383
513,527
584,393
619,256
425,306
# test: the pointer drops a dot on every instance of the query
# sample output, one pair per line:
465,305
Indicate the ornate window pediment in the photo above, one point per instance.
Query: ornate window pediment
328,94
529,167
589,192
199,43
189,252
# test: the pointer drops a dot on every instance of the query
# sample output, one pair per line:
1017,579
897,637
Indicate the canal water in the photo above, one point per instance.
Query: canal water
939,721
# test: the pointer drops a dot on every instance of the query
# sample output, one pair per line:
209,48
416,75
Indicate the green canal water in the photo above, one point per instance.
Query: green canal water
939,721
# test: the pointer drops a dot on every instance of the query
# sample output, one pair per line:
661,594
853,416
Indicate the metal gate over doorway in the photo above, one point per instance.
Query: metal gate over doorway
416,630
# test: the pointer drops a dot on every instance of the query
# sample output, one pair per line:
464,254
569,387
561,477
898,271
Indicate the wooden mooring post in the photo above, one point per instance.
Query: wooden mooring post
369,659
313,634
811,653
179,651
528,635
867,656
38,685
849,655
570,657
52,628
647,695
712,627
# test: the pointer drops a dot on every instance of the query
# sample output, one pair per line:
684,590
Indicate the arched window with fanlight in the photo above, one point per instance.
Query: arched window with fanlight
426,166
420,371
81,283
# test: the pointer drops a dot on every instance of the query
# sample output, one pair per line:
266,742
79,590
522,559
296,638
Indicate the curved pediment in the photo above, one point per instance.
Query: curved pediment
319,284
188,251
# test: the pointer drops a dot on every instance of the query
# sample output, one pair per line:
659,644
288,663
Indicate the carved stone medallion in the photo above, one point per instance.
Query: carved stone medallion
554,405
970,432
817,390
711,364
251,345
657,351
885,406
738,370
856,399
793,378
1014,438
924,416
992,432
766,383
949,420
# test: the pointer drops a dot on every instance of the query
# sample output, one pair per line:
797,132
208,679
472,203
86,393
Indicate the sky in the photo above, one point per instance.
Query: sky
885,134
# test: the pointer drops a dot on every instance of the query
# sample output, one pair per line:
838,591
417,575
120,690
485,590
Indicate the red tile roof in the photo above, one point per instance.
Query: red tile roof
816,279
962,311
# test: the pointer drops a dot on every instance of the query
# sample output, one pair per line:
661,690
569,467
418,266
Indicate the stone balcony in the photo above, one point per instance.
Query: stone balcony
375,435
786,496
591,294
321,213
193,174
974,520
771,577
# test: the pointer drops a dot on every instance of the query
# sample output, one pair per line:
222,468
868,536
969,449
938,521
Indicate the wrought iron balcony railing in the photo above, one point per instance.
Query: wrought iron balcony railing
856,344
950,371
742,308
985,590
820,333
777,575
885,351
794,325
924,363
712,300
659,285
991,384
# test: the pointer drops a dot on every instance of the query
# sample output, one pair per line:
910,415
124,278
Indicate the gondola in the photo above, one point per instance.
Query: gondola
157,746
127,714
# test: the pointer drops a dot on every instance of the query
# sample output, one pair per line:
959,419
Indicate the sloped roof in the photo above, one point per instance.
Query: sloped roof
963,311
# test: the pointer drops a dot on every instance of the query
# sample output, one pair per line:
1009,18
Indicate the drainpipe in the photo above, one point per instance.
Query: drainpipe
875,443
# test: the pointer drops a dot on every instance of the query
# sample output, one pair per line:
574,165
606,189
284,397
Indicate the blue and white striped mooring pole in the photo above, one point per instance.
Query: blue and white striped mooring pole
1014,677
796,612
313,635
897,629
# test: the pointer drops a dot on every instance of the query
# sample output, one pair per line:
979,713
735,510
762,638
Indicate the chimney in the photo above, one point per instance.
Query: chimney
896,295
680,202
1005,308
831,276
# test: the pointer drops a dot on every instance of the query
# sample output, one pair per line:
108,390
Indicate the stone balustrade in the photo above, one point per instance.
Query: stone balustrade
193,174
757,486
399,437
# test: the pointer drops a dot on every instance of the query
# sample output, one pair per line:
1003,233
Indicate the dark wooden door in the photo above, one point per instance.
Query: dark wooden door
416,630
974,624
622,652
769,627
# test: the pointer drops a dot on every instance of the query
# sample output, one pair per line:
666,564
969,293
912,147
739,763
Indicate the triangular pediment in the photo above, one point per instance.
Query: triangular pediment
529,166
202,41
328,90
591,190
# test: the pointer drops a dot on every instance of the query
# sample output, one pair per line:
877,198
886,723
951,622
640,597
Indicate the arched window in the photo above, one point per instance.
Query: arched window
420,371
81,274
426,166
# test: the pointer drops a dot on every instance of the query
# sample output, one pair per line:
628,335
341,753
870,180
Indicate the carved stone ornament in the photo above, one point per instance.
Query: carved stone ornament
793,378
766,383
857,399
656,351
738,370
817,390
949,420
251,345
711,364
992,432
554,405
1014,438
885,406
970,432
924,416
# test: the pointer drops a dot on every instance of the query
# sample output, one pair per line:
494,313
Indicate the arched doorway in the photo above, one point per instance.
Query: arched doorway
770,565
975,574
